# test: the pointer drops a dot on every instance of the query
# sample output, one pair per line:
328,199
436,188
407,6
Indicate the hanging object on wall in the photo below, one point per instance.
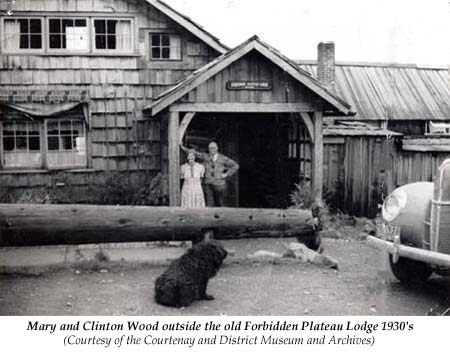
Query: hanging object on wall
249,85
42,96
9,8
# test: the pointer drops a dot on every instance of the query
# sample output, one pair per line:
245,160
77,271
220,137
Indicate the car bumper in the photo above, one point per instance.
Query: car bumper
418,254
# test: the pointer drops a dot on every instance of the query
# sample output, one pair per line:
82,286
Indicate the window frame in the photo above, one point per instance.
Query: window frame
45,35
24,50
94,50
150,46
59,136
428,128
17,151
65,50
43,148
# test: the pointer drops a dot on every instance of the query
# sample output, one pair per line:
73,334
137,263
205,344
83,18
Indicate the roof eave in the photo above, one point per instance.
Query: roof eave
189,25
341,108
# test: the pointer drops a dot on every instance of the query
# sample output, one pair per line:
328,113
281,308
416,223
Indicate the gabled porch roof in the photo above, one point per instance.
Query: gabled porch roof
338,105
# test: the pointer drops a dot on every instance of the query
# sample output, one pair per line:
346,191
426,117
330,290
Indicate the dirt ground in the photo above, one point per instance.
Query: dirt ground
363,285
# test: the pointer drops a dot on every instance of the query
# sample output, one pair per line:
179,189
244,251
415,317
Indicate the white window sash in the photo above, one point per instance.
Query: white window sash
77,39
175,47
11,35
124,35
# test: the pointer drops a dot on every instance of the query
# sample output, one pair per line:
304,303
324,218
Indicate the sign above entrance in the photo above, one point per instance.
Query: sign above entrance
249,85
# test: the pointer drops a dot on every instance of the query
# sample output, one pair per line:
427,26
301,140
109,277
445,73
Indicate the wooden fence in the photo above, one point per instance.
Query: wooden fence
359,171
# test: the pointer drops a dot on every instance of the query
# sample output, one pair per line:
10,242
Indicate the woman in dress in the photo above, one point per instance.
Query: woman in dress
192,173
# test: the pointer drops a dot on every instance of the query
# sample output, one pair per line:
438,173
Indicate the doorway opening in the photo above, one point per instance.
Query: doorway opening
273,152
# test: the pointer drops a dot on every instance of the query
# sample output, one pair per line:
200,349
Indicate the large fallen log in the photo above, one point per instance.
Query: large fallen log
32,225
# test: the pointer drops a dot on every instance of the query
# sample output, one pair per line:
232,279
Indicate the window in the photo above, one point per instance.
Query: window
299,148
113,35
22,144
165,47
66,144
68,33
22,33
439,128
293,139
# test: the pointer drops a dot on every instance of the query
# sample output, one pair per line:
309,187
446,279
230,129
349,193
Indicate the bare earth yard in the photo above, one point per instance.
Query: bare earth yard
362,286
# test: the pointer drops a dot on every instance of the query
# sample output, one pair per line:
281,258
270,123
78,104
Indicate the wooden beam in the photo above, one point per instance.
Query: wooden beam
425,148
427,143
242,107
105,117
1,144
184,125
34,225
317,185
309,124
174,159
127,132
44,143
333,140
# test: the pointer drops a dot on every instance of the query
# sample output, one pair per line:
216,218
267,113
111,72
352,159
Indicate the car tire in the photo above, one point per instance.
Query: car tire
409,271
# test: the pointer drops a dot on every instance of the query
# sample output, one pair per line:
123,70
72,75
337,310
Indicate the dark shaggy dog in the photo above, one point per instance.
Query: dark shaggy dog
187,277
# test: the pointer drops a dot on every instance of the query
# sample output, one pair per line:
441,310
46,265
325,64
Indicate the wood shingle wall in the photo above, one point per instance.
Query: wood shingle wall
119,85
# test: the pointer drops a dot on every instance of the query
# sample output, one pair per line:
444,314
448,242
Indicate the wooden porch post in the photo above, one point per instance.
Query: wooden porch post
174,159
317,185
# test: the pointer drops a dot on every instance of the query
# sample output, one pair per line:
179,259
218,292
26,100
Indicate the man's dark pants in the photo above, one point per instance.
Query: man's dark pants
215,195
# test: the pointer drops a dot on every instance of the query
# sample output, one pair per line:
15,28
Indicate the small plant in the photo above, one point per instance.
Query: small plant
123,189
334,195
301,197
5,195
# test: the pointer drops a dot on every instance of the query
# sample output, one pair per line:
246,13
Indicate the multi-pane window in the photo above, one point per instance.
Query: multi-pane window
293,133
23,148
165,46
113,35
68,33
66,143
21,136
62,135
21,144
22,33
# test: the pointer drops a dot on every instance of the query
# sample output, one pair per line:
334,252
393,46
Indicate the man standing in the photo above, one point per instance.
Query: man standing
218,170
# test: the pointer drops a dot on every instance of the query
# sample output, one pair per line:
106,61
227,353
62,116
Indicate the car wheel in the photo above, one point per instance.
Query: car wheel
409,271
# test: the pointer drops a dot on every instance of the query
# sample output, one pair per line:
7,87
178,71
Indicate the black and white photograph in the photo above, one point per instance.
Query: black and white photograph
224,158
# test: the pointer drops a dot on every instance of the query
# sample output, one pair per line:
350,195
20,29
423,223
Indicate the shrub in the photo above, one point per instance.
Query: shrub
301,197
116,189
123,189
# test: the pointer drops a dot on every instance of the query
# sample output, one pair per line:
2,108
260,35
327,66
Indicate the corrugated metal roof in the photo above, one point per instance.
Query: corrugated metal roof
392,91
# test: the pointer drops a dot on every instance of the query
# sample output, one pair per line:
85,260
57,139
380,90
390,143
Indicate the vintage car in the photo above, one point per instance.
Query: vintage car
416,228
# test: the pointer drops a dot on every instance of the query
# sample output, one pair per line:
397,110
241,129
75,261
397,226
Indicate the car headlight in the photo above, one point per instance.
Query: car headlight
393,204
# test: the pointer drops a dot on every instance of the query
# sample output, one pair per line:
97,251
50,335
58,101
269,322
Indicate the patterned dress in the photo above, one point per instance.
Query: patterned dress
192,192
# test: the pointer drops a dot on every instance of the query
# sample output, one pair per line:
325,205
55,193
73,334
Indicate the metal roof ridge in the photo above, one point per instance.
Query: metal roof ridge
377,64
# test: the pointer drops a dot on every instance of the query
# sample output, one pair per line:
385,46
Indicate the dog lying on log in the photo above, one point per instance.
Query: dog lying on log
186,279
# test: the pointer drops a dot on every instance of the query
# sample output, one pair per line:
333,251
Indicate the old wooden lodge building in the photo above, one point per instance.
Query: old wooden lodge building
90,88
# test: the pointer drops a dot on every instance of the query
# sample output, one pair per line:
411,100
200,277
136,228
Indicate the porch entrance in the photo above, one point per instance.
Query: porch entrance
268,147
251,83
